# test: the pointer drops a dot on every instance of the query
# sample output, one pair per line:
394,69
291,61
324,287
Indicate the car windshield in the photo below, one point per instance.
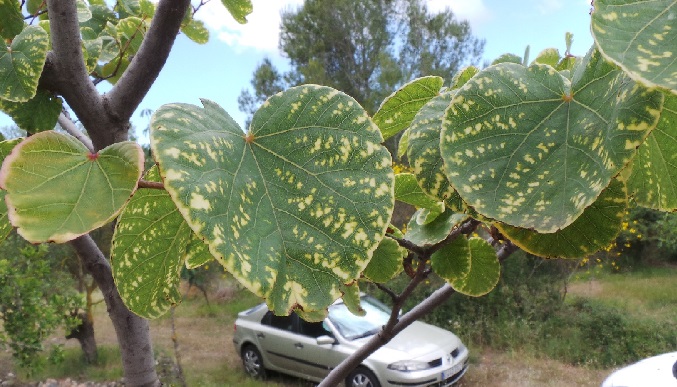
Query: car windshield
354,327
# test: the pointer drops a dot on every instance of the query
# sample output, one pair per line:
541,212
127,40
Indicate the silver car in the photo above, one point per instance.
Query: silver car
421,355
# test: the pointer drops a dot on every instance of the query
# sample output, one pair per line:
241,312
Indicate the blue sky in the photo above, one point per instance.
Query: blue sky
220,69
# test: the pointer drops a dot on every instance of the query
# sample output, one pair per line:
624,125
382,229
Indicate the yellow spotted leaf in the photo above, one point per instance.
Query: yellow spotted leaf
533,149
386,262
595,229
469,265
641,37
295,207
21,64
5,226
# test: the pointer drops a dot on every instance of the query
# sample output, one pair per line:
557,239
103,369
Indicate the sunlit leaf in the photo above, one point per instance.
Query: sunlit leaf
128,8
595,229
549,56
147,9
239,9
398,109
131,32
303,199
640,37
11,19
148,251
84,13
386,262
435,231
196,31
653,182
57,190
463,76
5,226
533,149
37,114
507,58
21,64
101,15
424,151
472,269
408,191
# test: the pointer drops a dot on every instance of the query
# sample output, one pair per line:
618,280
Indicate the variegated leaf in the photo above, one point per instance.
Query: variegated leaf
21,64
239,9
398,109
57,190
532,149
386,262
197,253
38,114
435,231
424,151
11,19
549,56
463,76
148,251
595,229
5,226
302,199
469,265
640,36
653,182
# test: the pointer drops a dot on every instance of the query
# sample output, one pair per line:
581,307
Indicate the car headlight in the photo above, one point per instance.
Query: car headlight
409,365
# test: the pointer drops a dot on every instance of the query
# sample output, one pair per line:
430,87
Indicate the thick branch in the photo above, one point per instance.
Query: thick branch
68,125
148,61
132,331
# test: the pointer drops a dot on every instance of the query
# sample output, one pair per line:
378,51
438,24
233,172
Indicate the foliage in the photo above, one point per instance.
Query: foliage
35,300
364,48
295,206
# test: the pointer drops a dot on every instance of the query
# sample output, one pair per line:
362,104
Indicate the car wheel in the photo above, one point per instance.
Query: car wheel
362,377
253,362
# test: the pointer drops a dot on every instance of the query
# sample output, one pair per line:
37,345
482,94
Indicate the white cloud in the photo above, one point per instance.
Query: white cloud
261,31
474,11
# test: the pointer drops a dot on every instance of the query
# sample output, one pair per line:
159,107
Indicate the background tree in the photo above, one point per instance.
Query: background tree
365,48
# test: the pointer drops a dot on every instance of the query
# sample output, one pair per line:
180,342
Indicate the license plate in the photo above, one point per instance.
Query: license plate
451,371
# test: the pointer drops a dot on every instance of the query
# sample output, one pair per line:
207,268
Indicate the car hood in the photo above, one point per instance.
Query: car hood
418,340
654,371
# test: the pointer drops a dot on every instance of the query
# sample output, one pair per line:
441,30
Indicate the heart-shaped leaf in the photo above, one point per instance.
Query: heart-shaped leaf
11,19
424,151
239,9
398,109
531,149
595,229
5,226
640,37
21,64
653,182
386,262
469,265
303,199
148,251
57,190
38,114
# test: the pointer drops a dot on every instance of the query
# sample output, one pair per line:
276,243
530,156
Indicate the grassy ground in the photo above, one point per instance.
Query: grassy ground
208,358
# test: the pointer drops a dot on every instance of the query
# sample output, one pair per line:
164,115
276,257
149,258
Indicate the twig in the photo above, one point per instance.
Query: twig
150,184
67,124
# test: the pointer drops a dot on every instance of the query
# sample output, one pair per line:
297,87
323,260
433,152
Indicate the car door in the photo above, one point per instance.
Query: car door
316,360
276,339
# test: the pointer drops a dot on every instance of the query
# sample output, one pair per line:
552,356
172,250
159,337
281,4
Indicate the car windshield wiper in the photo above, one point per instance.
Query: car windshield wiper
365,334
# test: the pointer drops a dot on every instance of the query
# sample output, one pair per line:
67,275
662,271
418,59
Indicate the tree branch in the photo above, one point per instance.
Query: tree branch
67,124
150,184
148,61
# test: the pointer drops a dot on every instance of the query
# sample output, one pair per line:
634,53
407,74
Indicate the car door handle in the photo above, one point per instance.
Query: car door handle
298,345
260,335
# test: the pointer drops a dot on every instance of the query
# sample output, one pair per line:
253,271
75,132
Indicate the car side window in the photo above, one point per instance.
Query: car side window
279,322
312,329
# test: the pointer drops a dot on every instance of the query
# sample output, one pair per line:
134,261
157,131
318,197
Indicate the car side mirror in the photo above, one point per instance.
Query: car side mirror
324,339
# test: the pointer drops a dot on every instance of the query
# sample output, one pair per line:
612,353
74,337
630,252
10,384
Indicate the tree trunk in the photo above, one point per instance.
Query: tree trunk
84,333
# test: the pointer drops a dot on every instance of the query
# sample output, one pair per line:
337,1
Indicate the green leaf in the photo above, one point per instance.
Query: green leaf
549,56
84,13
463,76
128,8
92,50
196,31
653,182
147,9
408,191
57,190
35,6
386,262
37,114
507,58
148,251
532,149
5,226
435,231
303,199
474,271
640,37
11,19
424,151
131,32
21,64
595,229
398,109
197,251
101,16
239,9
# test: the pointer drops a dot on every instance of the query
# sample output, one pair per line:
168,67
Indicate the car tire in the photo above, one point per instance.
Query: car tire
253,362
362,377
